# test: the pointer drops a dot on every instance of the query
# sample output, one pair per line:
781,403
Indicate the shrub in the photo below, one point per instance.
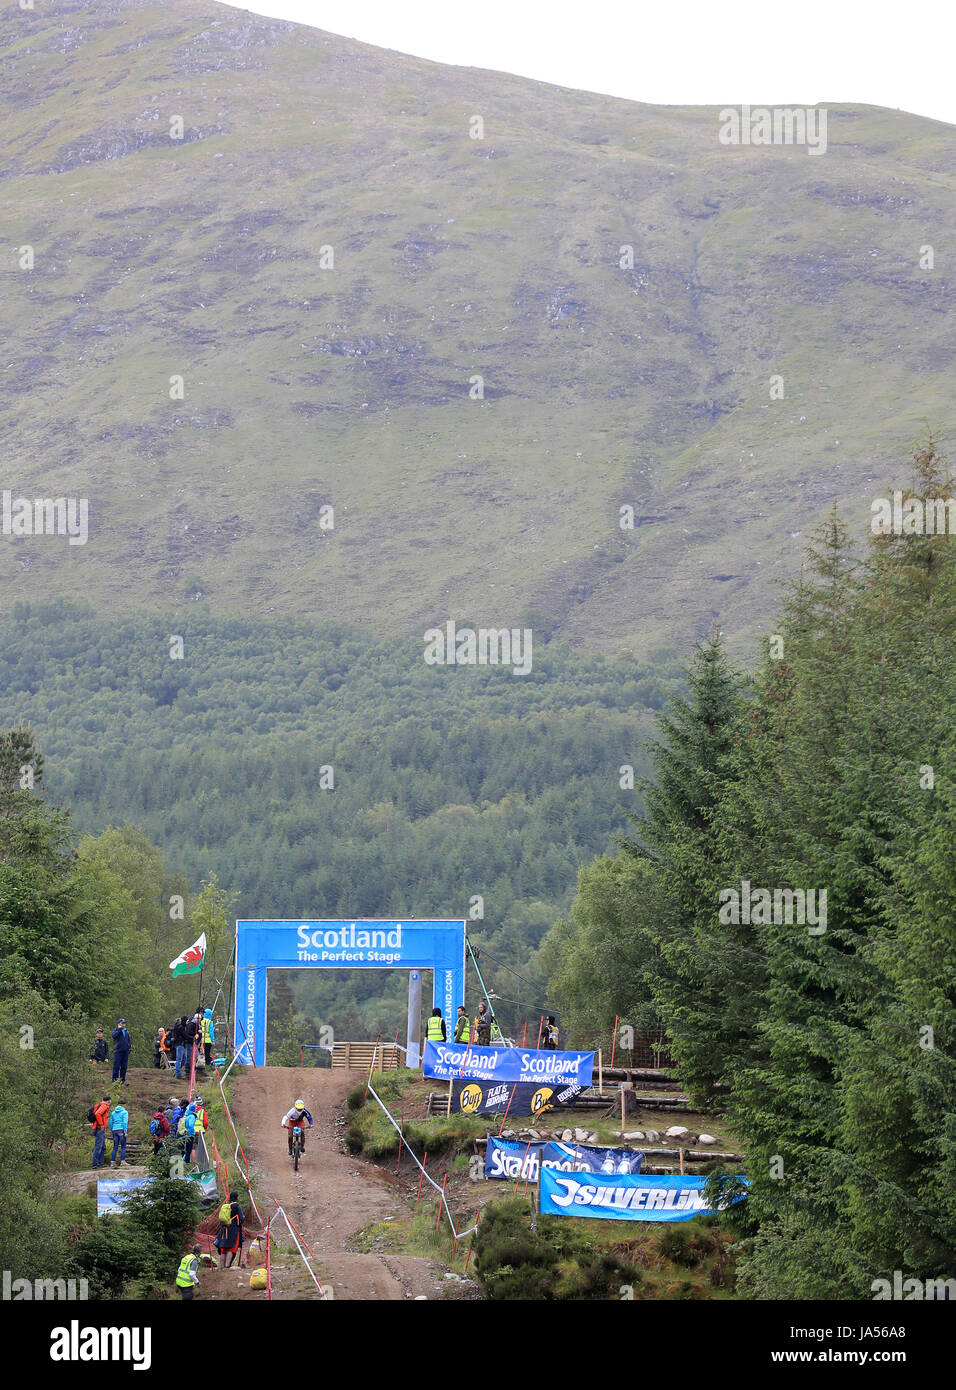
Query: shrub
557,1261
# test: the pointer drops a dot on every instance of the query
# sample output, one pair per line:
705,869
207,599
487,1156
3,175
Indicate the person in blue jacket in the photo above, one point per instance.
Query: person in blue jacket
208,1036
121,1048
119,1124
191,1127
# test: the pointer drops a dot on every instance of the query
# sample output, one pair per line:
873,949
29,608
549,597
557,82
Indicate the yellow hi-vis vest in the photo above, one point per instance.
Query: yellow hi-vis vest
462,1029
206,1029
184,1273
433,1033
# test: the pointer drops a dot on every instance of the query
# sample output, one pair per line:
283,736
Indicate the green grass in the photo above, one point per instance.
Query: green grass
665,386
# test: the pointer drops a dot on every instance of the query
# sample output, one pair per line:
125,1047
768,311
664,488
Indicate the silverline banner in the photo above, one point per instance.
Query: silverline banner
524,1065
623,1198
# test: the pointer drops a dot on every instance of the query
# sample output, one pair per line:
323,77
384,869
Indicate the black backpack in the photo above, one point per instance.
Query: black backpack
90,1115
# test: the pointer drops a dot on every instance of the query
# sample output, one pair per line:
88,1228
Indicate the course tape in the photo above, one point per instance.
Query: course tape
444,1201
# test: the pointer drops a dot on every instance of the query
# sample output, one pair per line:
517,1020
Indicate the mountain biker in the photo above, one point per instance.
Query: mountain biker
294,1117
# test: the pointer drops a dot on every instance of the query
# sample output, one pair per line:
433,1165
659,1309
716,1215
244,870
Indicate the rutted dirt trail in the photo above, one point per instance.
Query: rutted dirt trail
333,1195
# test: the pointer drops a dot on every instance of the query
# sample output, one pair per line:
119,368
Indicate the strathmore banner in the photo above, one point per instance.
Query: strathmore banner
506,1158
513,1097
622,1198
538,1067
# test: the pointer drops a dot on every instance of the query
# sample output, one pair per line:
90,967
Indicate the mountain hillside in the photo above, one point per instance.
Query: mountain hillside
307,384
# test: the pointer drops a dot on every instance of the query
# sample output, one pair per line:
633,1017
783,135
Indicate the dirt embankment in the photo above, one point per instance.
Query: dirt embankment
333,1195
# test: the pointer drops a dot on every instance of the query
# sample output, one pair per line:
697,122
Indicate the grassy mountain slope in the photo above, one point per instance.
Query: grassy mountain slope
201,257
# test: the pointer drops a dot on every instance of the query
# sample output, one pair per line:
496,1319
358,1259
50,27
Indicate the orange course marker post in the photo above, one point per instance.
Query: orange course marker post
441,1201
507,1108
422,1177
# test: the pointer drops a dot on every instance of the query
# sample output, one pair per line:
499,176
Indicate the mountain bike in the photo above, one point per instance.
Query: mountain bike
297,1147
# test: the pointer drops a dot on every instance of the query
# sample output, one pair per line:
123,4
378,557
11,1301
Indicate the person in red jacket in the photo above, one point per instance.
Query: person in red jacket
158,1130
100,1114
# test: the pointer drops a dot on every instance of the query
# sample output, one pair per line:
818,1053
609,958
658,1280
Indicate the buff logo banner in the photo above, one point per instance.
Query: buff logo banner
496,1097
623,1198
447,1062
504,1158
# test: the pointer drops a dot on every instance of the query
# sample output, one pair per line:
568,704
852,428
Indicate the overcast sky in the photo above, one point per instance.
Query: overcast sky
707,52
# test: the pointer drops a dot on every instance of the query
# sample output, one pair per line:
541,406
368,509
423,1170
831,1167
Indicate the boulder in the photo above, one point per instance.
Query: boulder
508,1133
591,1139
651,1136
566,1136
634,1134
677,1131
580,1136
706,1139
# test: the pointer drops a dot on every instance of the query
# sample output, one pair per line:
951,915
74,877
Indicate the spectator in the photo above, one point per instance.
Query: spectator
228,1240
159,1130
462,1026
550,1039
202,1119
191,1128
193,1027
121,1050
119,1124
100,1051
435,1031
208,1036
100,1113
234,1198
177,1040
174,1113
482,1026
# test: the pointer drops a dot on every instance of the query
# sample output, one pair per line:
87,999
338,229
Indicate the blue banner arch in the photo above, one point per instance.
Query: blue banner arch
372,943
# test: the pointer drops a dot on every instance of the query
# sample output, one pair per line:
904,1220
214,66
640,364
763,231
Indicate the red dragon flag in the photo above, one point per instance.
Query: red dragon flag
190,962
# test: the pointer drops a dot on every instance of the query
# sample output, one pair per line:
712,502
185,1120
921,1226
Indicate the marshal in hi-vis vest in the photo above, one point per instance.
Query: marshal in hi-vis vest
434,1029
184,1273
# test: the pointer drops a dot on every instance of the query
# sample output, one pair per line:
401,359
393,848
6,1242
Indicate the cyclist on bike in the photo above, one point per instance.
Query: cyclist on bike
298,1115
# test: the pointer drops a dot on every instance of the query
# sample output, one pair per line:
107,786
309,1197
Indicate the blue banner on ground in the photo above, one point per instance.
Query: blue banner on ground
110,1193
467,1061
623,1198
506,1158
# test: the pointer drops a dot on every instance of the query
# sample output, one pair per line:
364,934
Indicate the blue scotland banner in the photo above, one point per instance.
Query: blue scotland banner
521,1065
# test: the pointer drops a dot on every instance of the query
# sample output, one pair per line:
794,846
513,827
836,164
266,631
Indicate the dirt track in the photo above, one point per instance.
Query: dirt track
333,1195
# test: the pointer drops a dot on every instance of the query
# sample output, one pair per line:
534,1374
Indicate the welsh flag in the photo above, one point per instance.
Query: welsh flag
190,962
